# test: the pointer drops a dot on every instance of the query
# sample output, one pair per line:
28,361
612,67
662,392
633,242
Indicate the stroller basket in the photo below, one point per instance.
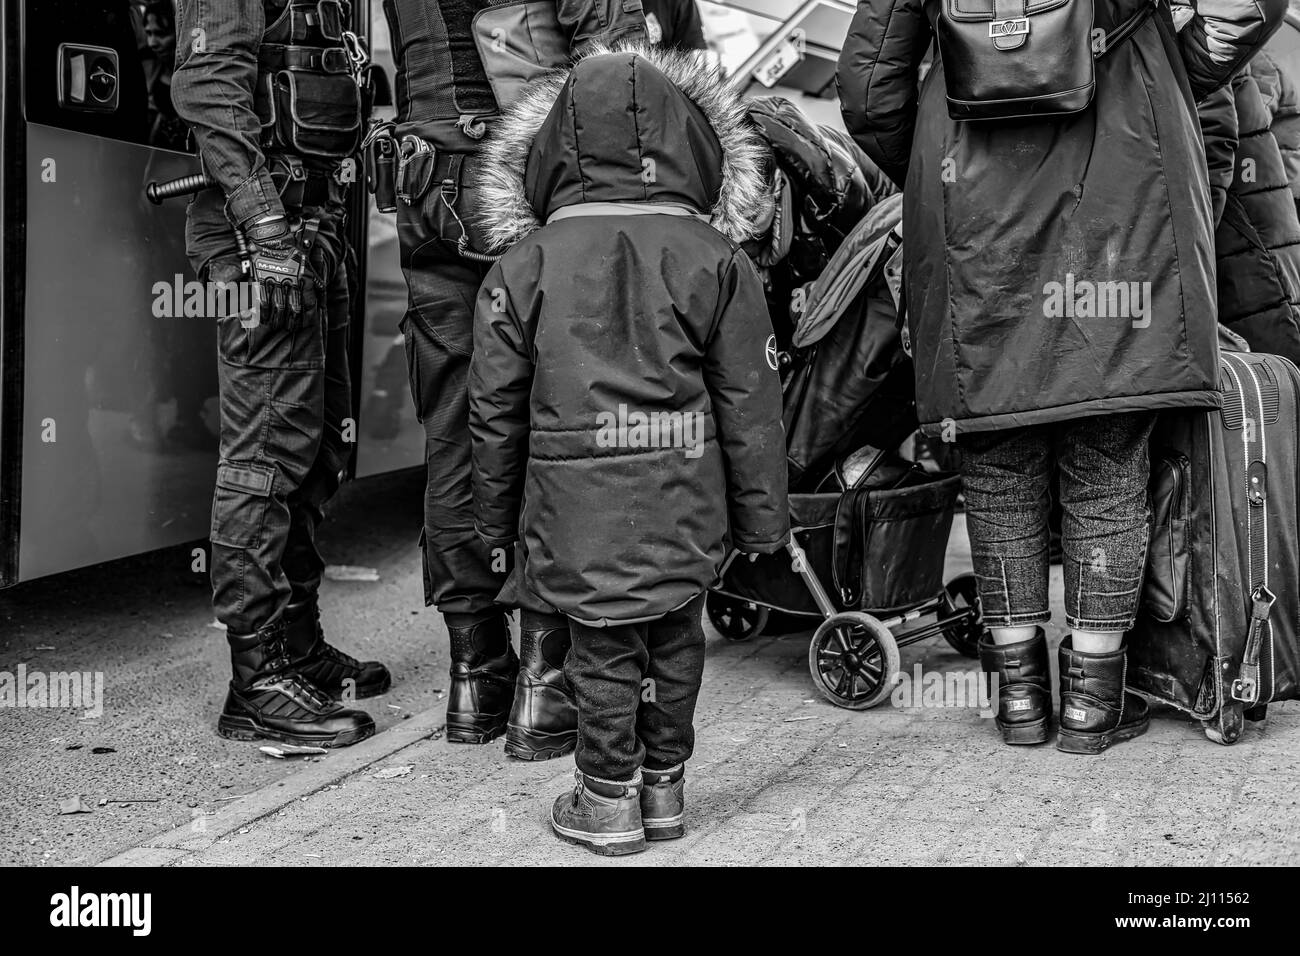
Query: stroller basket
865,561
876,549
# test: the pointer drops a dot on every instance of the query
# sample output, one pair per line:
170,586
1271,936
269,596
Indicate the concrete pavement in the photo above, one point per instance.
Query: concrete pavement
145,623
781,777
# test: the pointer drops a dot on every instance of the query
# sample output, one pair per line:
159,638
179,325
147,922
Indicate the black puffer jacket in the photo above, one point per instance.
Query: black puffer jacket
1257,239
833,183
624,416
827,184
1055,267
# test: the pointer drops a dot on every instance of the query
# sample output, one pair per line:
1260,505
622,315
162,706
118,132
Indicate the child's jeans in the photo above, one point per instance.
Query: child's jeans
1103,467
636,687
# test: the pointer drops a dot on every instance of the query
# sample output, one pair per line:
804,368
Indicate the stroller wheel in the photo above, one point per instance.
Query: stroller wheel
734,619
963,594
853,660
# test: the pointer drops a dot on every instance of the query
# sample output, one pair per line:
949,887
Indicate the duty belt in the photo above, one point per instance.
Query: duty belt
300,186
310,59
413,180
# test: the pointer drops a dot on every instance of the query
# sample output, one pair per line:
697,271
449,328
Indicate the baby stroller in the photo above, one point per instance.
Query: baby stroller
871,524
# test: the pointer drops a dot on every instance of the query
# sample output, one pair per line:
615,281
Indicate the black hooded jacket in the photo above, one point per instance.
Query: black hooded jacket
624,406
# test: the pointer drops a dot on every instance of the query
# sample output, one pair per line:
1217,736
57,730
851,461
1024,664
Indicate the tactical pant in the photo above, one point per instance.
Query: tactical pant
462,577
285,398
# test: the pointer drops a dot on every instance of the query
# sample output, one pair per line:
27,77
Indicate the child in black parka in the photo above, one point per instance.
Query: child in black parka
625,403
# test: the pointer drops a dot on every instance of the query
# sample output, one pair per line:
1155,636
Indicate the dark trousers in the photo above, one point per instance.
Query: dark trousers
285,397
1102,466
461,575
636,686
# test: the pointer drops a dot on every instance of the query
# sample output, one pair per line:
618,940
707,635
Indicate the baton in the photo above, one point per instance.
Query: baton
184,186
188,186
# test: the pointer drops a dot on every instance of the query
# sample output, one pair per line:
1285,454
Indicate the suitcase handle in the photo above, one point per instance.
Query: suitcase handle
1246,686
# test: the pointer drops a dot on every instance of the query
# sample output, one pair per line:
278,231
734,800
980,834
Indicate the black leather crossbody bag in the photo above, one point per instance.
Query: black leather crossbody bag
1013,59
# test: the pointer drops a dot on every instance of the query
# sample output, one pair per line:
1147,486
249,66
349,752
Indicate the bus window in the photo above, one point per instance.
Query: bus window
130,45
785,48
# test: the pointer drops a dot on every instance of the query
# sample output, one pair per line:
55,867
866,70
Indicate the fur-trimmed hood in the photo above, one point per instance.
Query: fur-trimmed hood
629,124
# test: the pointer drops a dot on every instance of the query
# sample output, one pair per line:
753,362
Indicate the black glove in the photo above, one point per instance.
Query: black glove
289,289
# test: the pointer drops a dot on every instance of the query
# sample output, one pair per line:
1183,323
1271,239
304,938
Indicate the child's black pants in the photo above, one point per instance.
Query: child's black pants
636,687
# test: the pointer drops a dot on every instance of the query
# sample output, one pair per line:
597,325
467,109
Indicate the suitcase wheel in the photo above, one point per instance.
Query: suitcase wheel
1257,713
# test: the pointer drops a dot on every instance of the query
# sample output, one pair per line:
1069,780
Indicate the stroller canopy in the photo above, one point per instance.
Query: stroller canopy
861,259
852,380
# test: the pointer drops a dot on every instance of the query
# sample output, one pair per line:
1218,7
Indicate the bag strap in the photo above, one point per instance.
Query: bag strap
1126,29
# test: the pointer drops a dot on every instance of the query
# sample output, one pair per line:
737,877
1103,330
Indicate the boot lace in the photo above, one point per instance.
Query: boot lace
283,671
332,653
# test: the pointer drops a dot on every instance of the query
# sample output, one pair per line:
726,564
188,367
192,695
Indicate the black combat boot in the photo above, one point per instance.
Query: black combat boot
483,672
336,673
270,699
1096,710
1024,687
663,802
602,815
544,717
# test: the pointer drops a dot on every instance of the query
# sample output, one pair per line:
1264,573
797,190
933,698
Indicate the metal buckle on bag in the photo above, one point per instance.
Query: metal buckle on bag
472,125
356,51
1008,28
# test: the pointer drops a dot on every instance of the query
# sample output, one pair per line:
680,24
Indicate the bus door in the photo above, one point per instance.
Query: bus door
118,435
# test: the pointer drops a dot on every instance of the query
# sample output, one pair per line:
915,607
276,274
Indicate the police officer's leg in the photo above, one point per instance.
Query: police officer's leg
462,578
326,666
271,386
544,716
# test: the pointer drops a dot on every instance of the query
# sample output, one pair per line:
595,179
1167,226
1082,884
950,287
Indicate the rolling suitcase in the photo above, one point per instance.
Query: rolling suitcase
1218,632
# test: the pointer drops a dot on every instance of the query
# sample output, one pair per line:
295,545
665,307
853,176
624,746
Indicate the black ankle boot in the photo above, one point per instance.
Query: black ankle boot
544,717
1024,687
1096,710
336,673
270,699
483,671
